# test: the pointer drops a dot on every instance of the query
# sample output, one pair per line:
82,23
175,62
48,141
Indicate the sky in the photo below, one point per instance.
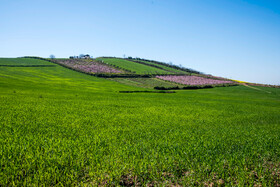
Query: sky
237,39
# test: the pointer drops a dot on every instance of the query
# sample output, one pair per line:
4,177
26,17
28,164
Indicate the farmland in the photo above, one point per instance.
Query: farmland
193,80
145,82
87,66
132,66
169,69
62,127
21,62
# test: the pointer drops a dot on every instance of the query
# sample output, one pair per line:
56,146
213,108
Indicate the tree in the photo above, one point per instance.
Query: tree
52,56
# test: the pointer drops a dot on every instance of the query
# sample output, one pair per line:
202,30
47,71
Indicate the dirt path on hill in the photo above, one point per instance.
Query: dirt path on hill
255,88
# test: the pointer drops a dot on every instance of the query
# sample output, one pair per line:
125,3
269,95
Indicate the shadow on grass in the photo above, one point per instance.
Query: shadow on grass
147,91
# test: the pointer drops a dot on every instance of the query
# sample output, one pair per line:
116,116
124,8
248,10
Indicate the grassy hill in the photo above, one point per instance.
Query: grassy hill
63,127
143,73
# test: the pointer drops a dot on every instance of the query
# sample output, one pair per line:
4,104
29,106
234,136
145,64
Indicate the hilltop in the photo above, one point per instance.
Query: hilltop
143,73
146,73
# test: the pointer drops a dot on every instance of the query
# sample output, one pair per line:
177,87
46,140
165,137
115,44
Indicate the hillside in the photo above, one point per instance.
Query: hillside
62,126
144,73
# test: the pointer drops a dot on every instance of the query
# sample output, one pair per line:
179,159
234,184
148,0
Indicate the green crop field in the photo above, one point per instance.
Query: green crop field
145,82
166,68
22,61
133,66
59,127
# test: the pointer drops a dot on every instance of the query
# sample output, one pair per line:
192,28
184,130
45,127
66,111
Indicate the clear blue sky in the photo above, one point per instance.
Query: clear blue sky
238,39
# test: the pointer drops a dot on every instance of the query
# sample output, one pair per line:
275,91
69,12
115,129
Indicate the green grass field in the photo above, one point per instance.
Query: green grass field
59,127
132,66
